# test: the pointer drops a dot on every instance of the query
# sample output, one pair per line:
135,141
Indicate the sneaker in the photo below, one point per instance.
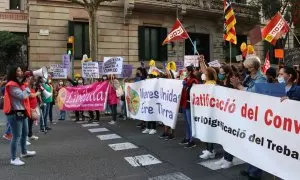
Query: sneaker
27,143
163,136
190,145
184,141
124,118
28,154
17,162
48,129
220,162
208,155
152,131
146,131
34,137
226,164
7,136
52,122
170,137
112,122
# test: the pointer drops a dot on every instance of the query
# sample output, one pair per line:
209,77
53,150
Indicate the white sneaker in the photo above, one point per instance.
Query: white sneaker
146,131
112,122
124,118
226,165
220,162
152,131
28,154
17,162
208,155
33,137
27,143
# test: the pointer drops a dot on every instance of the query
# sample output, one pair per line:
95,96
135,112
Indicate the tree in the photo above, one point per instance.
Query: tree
91,6
10,47
290,9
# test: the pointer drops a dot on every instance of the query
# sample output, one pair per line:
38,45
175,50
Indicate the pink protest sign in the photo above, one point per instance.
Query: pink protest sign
83,98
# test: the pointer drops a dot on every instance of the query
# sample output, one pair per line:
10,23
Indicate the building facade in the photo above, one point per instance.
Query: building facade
133,29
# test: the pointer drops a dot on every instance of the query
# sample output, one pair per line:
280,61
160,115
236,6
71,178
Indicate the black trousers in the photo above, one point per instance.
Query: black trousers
210,147
114,111
30,124
151,125
78,114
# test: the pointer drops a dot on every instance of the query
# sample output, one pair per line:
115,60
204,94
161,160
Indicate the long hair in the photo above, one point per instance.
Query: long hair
12,75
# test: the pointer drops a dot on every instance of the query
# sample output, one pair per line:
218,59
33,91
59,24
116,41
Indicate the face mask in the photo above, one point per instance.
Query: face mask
247,71
44,80
184,73
104,78
137,74
61,83
80,81
49,81
281,79
203,77
20,79
221,76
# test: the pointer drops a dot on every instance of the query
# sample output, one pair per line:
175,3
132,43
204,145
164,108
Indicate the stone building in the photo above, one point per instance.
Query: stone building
133,29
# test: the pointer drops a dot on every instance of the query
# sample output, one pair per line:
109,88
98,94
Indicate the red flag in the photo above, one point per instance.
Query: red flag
275,29
177,33
267,64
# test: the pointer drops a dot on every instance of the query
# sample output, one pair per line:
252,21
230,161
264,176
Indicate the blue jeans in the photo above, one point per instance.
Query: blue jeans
45,110
62,115
188,124
19,127
8,129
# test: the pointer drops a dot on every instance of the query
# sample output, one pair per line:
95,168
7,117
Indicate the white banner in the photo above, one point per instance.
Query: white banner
214,63
112,65
60,73
256,128
90,70
154,100
191,60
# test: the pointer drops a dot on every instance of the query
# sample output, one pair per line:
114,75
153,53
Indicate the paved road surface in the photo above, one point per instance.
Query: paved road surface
120,152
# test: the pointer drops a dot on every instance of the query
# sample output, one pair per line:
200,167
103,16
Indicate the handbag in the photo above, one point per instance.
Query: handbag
35,115
119,92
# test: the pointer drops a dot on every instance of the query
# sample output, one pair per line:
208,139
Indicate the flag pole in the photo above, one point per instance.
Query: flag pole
294,35
193,44
230,55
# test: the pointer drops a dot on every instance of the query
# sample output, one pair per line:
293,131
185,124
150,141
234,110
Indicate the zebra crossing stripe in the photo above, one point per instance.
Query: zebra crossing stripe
95,130
211,164
122,146
171,176
90,125
142,160
108,137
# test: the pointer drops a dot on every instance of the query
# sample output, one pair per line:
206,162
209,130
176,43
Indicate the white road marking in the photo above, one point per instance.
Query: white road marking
213,166
172,176
122,146
90,125
143,160
80,122
108,136
95,130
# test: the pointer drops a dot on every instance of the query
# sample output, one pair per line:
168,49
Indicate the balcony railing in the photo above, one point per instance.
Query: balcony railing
13,16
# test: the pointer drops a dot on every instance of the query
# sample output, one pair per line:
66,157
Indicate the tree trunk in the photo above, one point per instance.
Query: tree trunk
93,34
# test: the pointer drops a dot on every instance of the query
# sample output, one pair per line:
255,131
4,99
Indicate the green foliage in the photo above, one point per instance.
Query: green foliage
10,45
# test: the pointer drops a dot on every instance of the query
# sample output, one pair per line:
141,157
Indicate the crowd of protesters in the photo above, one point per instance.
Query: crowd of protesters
25,104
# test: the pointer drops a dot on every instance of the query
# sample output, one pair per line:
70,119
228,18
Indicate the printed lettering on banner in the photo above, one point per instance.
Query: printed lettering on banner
112,65
66,61
83,98
54,66
276,30
191,60
154,100
215,63
253,127
90,70
59,73
176,32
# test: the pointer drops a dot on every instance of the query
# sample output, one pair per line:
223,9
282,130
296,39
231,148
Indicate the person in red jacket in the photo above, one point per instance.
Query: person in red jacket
185,106
33,101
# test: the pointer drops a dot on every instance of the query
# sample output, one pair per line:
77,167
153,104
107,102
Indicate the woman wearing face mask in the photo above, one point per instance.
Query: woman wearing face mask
17,108
78,82
188,82
62,114
210,79
288,75
113,100
252,64
44,85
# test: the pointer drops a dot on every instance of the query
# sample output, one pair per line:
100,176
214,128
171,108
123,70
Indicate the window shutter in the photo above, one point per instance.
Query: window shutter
71,28
141,34
163,55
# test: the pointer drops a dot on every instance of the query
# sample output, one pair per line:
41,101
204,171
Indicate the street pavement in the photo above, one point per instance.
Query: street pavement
99,151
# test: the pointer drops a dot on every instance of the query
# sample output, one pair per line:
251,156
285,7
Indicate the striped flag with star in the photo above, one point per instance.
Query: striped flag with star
229,24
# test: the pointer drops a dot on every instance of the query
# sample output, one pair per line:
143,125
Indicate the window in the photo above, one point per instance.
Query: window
80,31
235,49
14,4
240,1
150,43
